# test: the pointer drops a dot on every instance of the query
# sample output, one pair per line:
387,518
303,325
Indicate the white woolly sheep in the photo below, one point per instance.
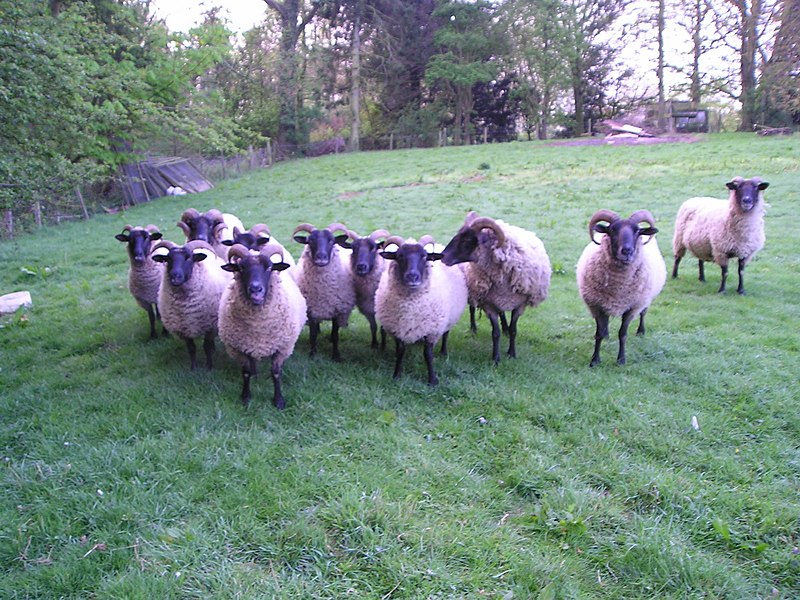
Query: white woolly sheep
508,270
190,292
621,274
419,299
261,314
718,230
144,274
213,227
366,268
323,275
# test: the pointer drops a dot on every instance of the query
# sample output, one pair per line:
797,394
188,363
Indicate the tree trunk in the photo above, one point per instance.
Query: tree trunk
355,85
697,49
748,63
662,118
578,96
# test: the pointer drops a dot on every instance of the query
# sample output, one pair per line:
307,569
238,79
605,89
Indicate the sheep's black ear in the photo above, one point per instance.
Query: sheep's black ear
230,267
227,242
341,240
199,256
763,185
389,255
262,241
600,228
300,238
435,255
648,231
159,258
732,185
280,266
123,237
156,235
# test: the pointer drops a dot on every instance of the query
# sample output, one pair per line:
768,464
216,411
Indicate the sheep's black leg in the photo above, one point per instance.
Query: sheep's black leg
601,331
740,289
473,325
504,322
335,340
313,330
640,329
383,339
512,330
151,315
373,329
208,347
248,371
277,399
428,354
192,353
443,349
675,264
399,351
495,335
701,272
627,317
721,289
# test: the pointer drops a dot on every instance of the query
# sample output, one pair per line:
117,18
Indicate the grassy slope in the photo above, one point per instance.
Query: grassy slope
126,475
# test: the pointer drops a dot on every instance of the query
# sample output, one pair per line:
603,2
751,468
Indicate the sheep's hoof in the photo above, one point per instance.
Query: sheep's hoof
621,361
594,362
279,403
741,292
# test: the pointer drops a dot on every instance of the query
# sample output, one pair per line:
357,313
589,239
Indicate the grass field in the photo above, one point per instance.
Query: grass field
125,475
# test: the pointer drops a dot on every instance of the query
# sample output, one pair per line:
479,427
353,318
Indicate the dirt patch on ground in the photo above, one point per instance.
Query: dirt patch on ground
628,141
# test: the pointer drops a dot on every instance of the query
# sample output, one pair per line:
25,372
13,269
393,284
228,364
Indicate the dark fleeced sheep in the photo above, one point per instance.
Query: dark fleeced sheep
719,230
621,274
144,274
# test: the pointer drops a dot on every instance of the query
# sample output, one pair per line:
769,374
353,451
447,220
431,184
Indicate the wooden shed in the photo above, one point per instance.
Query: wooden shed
143,181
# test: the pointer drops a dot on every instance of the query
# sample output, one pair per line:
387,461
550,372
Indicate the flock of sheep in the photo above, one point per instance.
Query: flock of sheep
245,287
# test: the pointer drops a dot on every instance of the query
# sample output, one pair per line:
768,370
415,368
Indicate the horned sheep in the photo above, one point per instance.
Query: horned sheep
323,275
419,298
255,238
366,267
190,292
507,270
718,230
144,274
212,226
261,314
621,274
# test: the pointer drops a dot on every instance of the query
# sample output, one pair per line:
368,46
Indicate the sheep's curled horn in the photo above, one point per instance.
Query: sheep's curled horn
197,244
645,216
260,230
237,251
426,239
601,215
127,228
488,223
150,228
393,239
334,227
378,234
188,216
307,227
169,245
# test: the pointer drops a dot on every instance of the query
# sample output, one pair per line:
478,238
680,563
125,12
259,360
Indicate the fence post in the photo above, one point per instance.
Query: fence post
80,199
37,213
269,153
8,223
485,134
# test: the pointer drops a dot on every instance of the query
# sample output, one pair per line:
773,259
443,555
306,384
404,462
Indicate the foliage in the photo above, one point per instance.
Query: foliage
124,475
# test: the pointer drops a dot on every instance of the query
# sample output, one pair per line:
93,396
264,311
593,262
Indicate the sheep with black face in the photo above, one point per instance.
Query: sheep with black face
719,230
256,238
621,274
261,314
191,288
367,266
212,227
323,275
507,270
419,298
144,274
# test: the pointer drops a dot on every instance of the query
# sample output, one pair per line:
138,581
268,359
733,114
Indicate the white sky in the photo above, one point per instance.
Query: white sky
182,15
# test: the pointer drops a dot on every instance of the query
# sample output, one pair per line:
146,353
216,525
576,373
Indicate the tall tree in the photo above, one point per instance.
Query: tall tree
293,17
780,84
466,44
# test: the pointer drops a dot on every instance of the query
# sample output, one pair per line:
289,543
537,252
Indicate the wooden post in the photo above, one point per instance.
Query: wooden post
83,206
37,213
391,140
8,223
269,153
485,134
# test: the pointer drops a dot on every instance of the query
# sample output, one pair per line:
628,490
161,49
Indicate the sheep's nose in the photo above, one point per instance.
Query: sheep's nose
412,279
256,289
361,269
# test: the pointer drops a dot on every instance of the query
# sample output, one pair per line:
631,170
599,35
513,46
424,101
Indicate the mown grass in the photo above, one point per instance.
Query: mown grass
127,476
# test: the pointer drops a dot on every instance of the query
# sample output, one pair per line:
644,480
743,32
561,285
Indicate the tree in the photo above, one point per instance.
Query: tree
466,45
780,84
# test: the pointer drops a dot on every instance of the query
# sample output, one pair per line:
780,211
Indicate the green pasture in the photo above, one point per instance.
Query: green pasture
125,475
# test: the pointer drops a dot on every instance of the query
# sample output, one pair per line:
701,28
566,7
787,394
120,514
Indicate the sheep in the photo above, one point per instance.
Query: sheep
144,275
419,299
366,267
255,238
212,227
191,288
261,314
508,270
323,275
621,274
718,230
